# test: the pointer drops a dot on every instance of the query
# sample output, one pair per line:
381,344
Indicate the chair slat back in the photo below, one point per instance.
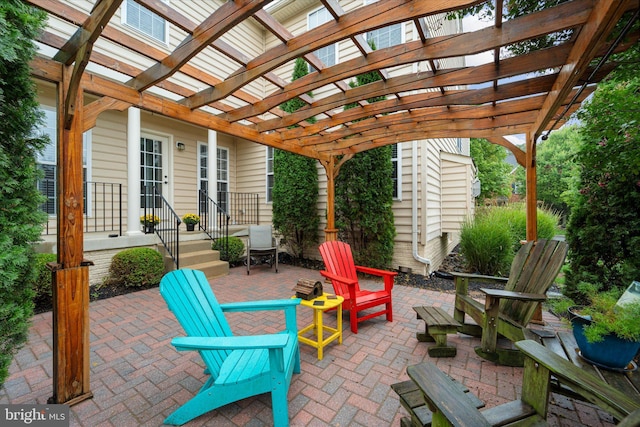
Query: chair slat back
338,259
260,237
190,298
533,270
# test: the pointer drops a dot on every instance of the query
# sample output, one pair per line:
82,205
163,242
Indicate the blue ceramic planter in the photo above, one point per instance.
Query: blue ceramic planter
614,353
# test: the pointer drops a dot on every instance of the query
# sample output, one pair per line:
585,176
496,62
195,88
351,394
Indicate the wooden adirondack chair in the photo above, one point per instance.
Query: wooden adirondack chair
508,312
341,270
239,366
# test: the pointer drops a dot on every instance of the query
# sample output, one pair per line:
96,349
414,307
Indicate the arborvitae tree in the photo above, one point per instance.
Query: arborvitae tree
364,198
21,219
295,187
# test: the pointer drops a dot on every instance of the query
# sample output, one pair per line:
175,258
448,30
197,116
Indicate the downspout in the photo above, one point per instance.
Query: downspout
414,207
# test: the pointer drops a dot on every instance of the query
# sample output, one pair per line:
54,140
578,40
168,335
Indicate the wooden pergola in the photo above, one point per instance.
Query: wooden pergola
486,101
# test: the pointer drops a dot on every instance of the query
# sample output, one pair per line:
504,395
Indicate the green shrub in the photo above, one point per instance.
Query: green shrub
233,253
42,284
482,240
486,246
135,267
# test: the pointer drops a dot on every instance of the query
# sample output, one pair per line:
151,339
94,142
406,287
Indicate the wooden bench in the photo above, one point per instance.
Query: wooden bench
452,407
438,323
413,401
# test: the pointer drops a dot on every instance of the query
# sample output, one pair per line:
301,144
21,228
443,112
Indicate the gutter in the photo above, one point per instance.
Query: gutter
414,207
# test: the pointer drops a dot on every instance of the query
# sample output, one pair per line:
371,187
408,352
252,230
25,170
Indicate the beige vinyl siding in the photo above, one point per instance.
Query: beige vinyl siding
457,203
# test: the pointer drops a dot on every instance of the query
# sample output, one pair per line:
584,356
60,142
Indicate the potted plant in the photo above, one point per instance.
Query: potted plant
190,219
149,222
607,333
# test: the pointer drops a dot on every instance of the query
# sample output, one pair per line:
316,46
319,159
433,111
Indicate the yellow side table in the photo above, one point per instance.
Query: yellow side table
319,306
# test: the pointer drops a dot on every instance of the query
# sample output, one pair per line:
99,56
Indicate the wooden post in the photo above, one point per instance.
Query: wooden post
532,194
71,274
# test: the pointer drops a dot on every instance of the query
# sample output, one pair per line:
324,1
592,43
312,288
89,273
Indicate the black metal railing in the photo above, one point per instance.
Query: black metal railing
102,206
163,221
241,207
214,220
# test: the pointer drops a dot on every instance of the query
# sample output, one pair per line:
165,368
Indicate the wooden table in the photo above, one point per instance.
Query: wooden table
564,344
319,306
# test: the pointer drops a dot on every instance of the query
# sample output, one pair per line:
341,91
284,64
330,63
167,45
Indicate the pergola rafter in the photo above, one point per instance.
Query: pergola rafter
183,82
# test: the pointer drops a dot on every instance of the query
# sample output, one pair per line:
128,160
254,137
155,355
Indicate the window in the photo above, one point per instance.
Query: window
396,177
48,184
145,21
270,176
385,37
203,175
326,54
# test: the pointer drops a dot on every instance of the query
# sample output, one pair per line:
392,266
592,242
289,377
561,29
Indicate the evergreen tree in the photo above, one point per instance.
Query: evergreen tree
295,187
364,199
493,170
21,219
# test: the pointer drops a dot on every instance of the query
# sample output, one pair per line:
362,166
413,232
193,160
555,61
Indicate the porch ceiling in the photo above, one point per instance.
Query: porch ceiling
490,100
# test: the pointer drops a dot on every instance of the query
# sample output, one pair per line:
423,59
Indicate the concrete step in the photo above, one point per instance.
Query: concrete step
211,269
198,255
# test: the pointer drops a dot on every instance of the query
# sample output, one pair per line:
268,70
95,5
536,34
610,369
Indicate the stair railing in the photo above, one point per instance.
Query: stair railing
214,220
168,223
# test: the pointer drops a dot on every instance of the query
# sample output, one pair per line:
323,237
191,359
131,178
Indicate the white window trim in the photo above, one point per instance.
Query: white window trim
268,200
398,160
123,21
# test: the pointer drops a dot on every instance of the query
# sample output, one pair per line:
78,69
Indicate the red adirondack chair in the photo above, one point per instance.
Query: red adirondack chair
341,270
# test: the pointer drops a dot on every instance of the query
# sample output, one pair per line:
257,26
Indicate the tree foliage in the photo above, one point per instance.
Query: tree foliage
493,170
513,9
364,198
295,187
604,228
21,220
557,170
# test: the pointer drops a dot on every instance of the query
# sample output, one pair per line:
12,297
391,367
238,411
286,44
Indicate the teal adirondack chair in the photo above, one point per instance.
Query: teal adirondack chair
239,366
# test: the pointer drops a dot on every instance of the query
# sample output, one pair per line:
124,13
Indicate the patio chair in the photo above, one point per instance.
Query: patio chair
507,312
261,244
343,273
239,366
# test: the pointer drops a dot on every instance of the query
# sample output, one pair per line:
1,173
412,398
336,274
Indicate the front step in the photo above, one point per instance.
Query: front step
198,255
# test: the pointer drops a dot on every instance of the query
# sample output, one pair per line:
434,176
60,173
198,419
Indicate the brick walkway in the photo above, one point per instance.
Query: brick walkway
137,378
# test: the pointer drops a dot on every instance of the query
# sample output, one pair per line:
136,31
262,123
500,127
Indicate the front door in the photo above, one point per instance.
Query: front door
154,170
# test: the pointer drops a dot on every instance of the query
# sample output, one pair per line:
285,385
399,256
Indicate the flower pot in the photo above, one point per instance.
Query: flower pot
612,353
149,228
191,227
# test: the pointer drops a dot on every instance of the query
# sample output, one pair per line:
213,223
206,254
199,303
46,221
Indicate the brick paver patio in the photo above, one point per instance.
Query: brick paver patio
138,378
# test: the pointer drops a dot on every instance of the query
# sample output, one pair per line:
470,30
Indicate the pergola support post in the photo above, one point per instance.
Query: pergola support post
71,274
532,194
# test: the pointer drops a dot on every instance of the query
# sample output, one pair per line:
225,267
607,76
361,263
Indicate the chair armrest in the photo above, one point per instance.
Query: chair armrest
231,343
287,305
479,277
521,296
386,274
263,305
582,382
340,279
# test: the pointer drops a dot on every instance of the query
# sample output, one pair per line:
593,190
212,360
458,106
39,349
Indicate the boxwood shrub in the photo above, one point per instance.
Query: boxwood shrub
233,253
135,267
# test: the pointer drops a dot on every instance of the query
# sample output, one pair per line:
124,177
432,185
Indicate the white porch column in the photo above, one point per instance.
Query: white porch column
212,167
133,171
